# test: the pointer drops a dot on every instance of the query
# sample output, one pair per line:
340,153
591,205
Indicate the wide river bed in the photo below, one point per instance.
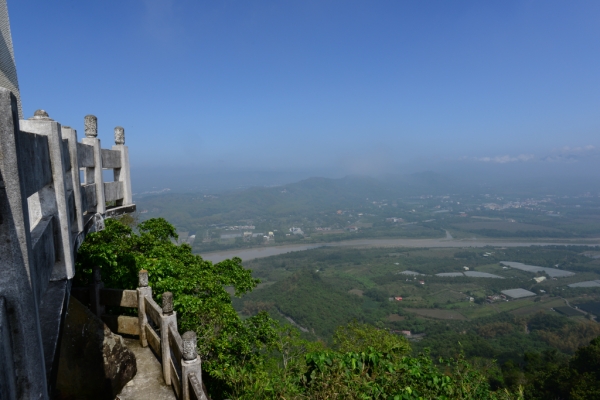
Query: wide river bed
260,252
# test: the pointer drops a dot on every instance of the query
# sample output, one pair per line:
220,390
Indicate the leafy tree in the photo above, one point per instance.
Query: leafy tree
377,294
374,375
357,337
578,379
198,286
257,358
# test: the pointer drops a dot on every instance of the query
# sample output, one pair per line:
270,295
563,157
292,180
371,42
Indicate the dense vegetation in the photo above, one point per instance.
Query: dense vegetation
314,326
256,357
504,339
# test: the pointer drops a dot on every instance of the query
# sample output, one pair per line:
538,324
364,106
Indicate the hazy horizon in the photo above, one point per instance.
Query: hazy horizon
278,92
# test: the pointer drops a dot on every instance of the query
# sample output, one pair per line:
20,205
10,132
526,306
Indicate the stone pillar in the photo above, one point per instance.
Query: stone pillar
16,265
95,287
123,174
168,318
53,200
190,365
143,290
7,366
94,175
8,72
70,135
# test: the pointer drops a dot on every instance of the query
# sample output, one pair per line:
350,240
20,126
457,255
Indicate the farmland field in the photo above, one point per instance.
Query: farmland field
545,305
322,288
592,307
568,311
436,313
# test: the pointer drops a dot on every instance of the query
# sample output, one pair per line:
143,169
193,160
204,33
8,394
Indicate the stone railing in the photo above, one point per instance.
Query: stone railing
156,327
45,213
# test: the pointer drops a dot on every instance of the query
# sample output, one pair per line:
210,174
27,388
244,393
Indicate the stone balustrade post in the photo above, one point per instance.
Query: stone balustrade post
70,135
53,200
143,291
97,284
19,290
94,175
168,318
190,364
123,174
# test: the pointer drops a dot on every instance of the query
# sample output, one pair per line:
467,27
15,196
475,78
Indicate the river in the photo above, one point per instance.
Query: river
260,252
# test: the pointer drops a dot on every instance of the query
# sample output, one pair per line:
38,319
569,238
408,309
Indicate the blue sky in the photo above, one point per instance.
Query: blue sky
319,87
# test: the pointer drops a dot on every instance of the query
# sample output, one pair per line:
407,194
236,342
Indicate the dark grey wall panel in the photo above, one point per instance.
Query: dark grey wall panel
34,158
111,158
85,155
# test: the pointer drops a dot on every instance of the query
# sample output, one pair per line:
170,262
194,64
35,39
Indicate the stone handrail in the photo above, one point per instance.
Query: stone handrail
45,213
156,327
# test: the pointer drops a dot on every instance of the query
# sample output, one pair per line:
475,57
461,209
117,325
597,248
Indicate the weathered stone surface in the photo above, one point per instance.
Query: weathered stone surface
113,191
41,114
7,370
64,266
189,346
90,124
53,309
148,382
111,159
94,175
119,135
16,268
94,362
85,155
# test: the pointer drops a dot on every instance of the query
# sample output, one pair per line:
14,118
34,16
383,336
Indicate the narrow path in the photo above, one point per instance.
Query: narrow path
574,308
291,321
148,383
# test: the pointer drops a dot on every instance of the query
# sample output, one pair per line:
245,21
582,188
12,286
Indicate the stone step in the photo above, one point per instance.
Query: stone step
148,383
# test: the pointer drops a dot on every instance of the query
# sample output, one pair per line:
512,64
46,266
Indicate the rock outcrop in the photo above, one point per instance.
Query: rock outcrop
94,362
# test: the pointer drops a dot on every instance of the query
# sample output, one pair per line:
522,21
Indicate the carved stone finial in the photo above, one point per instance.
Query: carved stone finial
41,115
143,278
167,303
119,135
189,346
91,126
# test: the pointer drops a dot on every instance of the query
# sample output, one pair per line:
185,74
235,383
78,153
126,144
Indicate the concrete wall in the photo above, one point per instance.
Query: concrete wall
8,68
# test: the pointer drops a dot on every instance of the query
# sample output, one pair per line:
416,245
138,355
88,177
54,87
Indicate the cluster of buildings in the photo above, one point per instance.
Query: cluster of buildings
244,235
495,297
240,228
529,204
394,220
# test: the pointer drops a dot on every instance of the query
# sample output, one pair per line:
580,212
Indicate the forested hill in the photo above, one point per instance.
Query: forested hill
305,198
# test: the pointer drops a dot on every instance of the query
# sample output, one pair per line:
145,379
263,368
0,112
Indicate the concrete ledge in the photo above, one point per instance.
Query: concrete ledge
119,210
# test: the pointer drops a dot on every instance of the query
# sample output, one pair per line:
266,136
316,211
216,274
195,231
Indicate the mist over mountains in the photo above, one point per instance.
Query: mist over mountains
530,179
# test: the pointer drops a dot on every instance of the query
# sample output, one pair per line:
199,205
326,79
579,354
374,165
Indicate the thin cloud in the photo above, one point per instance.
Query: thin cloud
563,154
505,159
572,154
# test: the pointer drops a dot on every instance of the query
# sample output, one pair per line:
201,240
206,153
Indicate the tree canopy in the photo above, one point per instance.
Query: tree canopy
256,357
